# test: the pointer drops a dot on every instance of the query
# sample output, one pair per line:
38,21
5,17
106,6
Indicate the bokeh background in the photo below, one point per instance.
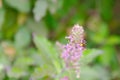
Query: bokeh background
29,30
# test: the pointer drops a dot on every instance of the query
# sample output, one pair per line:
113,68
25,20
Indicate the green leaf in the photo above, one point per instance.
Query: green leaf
39,27
24,61
54,5
20,5
47,52
89,55
88,73
22,38
108,56
2,16
41,72
16,72
101,33
113,40
94,73
40,9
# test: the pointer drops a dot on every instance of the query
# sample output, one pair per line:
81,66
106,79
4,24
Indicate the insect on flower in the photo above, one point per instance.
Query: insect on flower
72,51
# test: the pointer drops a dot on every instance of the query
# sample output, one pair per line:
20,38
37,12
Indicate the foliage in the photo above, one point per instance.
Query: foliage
29,30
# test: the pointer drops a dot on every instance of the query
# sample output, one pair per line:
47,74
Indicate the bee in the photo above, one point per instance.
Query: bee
83,43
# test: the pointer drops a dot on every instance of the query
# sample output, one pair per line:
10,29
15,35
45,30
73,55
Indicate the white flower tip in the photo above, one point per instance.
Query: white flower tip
77,25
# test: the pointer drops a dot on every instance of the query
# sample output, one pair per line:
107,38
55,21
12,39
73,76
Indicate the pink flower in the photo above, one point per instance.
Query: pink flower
72,51
64,78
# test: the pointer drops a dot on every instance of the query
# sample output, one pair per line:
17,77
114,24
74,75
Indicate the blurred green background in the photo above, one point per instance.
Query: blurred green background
29,30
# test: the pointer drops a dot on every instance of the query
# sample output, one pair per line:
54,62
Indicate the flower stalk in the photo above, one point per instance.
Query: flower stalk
72,51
